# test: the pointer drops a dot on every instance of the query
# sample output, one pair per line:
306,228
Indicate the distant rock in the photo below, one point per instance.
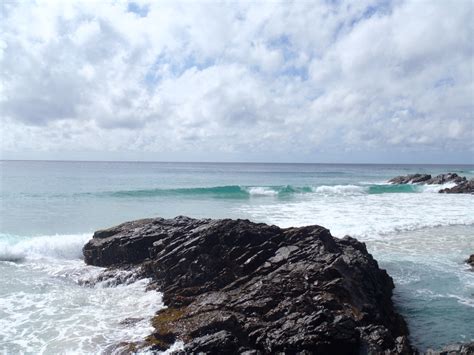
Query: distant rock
233,286
410,179
465,187
446,178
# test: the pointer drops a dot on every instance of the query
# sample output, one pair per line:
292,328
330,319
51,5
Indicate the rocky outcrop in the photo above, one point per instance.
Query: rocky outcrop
462,184
446,178
410,179
470,260
127,243
465,187
233,286
426,179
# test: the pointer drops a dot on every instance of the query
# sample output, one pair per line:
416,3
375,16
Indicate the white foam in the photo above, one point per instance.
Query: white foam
435,187
343,190
368,216
176,347
77,319
51,302
15,248
46,308
261,191
379,182
463,300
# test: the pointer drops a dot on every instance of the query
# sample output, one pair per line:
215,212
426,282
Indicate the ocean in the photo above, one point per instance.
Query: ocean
50,302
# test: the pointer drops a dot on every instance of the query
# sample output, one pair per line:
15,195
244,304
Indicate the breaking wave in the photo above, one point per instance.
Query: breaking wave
66,247
243,192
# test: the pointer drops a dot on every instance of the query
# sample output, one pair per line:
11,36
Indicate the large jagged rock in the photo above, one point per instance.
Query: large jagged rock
233,286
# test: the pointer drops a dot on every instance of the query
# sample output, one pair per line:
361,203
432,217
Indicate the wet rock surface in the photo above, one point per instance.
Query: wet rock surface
462,184
233,286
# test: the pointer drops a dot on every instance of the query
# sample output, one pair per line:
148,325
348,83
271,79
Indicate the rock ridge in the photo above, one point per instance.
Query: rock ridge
234,286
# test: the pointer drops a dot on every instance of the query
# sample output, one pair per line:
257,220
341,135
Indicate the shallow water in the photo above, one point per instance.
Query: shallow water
47,306
49,209
435,289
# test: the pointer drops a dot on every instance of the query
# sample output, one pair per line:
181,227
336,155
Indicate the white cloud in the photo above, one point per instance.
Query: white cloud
248,79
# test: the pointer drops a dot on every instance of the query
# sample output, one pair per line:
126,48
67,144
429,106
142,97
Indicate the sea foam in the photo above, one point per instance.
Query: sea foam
261,191
51,302
340,190
367,216
16,248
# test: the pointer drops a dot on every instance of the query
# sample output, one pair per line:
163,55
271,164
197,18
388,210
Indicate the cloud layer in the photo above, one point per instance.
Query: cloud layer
237,81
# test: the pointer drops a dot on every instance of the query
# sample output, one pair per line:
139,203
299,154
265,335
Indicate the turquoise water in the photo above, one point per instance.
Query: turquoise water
49,209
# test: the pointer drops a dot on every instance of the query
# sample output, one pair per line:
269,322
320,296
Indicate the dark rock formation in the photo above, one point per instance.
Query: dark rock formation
426,179
462,184
127,243
465,187
470,260
234,286
410,179
445,178
455,349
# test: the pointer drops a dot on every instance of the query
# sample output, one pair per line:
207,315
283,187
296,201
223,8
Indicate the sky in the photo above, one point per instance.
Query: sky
301,81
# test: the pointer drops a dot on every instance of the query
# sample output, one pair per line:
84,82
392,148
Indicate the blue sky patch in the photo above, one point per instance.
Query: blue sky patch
141,11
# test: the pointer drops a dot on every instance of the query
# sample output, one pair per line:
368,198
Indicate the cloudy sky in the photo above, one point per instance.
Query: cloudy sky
302,81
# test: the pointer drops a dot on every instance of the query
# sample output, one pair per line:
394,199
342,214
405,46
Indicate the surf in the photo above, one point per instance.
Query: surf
65,247
247,191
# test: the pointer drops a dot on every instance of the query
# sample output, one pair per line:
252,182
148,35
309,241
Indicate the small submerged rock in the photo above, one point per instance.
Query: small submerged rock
470,260
130,321
233,286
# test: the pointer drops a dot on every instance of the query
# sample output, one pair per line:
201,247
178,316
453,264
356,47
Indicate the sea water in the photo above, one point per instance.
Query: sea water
51,302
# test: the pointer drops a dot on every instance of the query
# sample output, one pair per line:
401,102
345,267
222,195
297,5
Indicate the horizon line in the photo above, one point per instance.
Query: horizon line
215,162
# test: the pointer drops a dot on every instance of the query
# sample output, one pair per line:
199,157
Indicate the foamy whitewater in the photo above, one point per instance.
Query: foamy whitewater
51,302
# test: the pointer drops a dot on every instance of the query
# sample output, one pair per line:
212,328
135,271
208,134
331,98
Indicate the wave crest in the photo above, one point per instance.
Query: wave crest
16,248
244,192
341,190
